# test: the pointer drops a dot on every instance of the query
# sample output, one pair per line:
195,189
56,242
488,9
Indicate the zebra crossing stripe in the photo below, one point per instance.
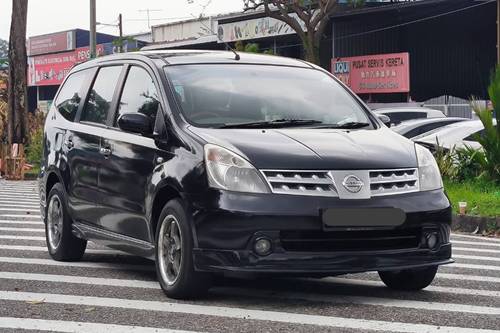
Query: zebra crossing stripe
238,313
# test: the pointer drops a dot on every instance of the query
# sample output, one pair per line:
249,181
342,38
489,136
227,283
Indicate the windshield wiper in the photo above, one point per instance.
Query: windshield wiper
273,123
349,125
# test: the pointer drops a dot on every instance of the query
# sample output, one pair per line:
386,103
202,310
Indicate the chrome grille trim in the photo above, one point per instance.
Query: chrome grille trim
390,182
300,182
321,182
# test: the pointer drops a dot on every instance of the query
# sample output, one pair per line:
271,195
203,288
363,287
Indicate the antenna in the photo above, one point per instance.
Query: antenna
148,11
209,29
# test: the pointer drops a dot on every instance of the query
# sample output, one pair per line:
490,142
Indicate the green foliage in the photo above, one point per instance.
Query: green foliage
240,46
445,162
4,49
482,197
469,163
34,149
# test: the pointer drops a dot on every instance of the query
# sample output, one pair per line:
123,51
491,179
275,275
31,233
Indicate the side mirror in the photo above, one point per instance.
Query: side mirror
135,123
385,119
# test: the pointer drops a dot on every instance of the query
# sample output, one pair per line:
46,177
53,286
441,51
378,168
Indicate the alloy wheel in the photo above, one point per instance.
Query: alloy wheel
170,249
55,219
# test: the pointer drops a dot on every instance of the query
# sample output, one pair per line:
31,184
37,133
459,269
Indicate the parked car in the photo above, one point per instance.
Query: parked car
453,136
415,127
398,115
209,164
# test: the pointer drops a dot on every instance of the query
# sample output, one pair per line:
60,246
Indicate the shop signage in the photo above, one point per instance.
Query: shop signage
57,42
381,73
254,28
51,69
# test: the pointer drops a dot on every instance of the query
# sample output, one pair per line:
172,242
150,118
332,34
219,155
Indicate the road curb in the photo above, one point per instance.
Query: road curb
477,224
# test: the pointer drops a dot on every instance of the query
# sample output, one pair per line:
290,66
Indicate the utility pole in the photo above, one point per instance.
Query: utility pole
120,27
148,11
92,29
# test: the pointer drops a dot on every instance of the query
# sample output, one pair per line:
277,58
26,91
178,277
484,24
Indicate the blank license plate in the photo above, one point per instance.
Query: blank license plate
364,217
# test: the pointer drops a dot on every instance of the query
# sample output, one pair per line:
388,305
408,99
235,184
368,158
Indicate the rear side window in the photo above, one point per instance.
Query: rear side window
100,98
398,117
69,97
139,94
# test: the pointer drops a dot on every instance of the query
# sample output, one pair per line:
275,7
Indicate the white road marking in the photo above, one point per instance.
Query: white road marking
17,222
439,289
473,249
16,237
464,256
44,249
19,209
338,299
31,216
474,266
475,243
103,265
489,239
238,313
468,277
19,197
22,229
77,327
4,204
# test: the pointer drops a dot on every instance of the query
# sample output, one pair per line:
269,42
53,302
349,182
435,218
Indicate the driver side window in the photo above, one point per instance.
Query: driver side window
139,95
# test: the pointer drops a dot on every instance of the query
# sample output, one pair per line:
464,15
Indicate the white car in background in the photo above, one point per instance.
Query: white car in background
415,127
456,135
398,115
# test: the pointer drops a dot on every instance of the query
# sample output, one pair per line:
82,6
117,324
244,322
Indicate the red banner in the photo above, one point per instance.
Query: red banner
51,69
57,42
382,73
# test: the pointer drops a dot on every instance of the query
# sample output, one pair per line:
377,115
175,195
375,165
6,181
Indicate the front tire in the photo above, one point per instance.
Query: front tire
410,279
61,243
174,255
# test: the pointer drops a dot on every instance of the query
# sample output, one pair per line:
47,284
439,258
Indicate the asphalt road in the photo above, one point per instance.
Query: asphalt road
113,292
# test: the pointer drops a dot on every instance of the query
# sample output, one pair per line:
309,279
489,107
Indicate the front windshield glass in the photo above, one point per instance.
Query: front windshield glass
224,95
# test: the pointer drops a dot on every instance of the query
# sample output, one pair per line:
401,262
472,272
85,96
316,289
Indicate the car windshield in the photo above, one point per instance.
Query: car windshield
218,96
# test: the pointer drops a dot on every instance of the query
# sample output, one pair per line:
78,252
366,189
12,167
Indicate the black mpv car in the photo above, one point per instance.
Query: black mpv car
210,164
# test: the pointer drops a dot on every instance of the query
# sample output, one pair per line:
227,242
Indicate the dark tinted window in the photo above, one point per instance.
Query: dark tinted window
70,95
100,98
139,94
398,117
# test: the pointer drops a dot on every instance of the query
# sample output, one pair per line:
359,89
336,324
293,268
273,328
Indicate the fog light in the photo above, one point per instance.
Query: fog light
262,246
432,240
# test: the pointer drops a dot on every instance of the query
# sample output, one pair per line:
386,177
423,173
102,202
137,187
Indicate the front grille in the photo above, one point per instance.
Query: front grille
324,183
300,182
386,182
359,240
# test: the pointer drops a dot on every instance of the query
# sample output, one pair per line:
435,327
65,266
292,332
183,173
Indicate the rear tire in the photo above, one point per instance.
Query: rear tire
410,279
174,255
61,243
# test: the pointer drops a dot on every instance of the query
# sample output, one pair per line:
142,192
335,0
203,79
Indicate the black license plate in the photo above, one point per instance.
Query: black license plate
363,217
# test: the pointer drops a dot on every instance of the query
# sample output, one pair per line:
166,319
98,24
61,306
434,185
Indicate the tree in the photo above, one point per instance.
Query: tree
17,95
308,18
4,49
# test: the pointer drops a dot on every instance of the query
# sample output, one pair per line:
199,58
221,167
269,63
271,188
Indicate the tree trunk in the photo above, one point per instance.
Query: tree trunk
18,92
311,48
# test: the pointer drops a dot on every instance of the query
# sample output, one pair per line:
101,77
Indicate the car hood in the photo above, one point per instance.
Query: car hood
315,149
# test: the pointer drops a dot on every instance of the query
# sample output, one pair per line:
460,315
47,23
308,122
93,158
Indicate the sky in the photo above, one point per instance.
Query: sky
46,16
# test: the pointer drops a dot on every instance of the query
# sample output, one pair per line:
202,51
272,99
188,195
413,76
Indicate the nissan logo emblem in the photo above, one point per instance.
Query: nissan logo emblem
353,184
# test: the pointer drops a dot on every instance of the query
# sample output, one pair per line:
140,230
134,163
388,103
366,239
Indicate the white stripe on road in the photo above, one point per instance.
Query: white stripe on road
18,222
438,289
6,204
464,256
16,237
473,249
50,262
19,210
31,216
77,327
23,229
337,299
238,313
464,277
44,249
476,237
474,266
475,243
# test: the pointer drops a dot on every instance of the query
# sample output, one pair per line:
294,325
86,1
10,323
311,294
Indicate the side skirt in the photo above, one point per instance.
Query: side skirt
114,240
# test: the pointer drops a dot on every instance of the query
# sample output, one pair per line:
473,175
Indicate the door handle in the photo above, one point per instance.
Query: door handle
105,151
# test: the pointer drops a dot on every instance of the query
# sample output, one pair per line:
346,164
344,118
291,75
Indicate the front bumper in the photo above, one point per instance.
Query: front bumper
226,226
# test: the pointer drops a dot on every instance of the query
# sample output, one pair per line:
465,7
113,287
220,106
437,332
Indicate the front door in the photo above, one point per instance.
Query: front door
127,171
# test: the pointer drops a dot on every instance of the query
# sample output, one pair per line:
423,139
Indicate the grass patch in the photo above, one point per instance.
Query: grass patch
483,198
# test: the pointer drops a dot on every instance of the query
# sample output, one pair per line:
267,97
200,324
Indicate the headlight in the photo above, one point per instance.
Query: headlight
430,177
229,171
